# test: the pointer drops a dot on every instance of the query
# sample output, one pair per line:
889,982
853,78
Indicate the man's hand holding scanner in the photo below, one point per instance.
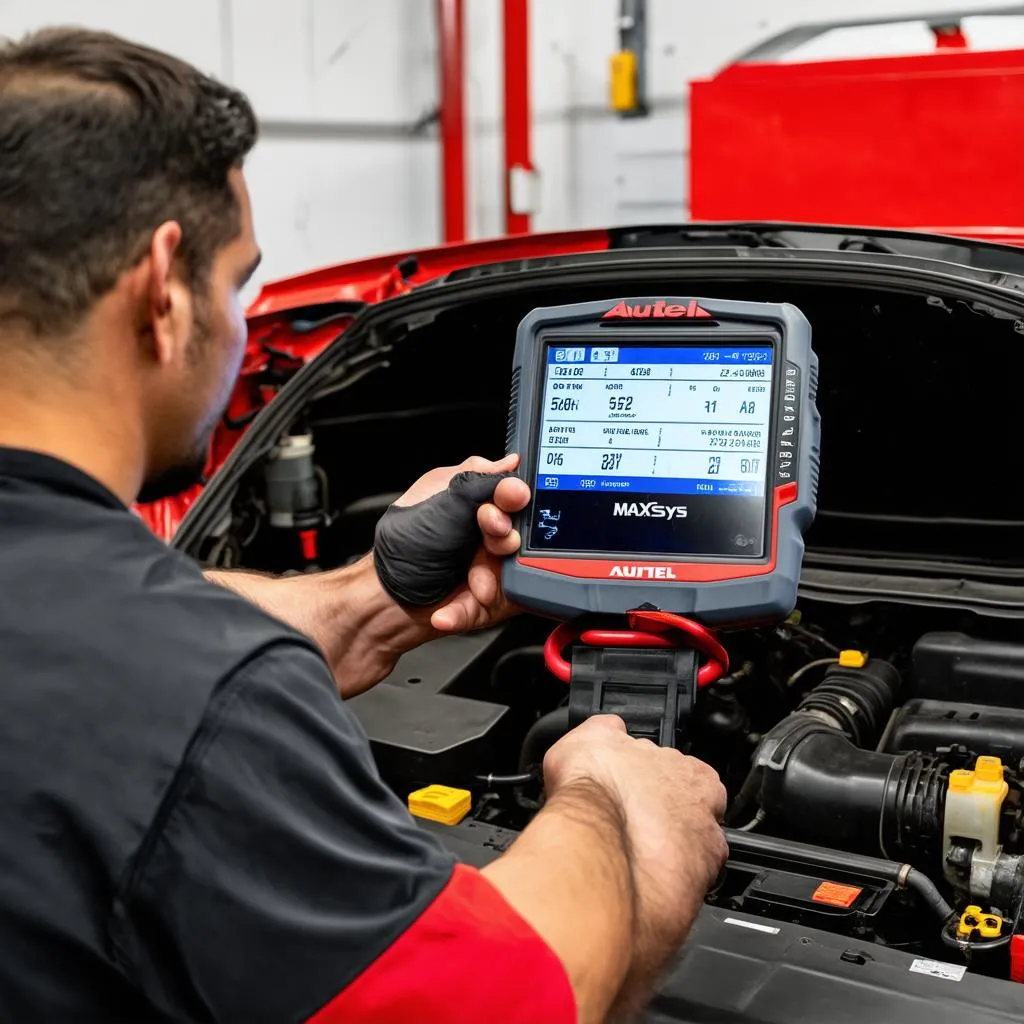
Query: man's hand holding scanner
435,569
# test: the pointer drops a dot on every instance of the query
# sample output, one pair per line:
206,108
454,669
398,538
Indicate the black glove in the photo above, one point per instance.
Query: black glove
423,552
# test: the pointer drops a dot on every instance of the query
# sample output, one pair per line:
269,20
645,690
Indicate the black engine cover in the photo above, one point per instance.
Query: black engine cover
927,725
957,667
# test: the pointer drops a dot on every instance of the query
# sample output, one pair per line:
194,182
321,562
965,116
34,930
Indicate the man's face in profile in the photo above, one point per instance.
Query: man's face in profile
214,352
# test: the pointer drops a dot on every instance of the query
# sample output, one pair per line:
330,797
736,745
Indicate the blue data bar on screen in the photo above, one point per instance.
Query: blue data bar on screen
724,355
650,485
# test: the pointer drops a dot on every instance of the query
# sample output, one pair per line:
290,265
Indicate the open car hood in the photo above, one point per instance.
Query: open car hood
292,321
383,277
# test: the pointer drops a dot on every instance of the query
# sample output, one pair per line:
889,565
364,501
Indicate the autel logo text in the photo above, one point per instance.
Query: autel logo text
659,310
643,572
649,510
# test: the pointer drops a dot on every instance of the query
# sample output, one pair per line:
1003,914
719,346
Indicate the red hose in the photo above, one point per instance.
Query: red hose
647,629
560,638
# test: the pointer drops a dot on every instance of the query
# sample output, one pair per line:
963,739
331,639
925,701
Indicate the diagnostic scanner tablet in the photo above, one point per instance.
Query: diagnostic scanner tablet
672,448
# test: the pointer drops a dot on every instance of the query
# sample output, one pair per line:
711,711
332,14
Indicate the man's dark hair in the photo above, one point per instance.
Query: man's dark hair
101,141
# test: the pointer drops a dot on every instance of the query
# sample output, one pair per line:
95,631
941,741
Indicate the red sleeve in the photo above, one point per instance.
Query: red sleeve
468,958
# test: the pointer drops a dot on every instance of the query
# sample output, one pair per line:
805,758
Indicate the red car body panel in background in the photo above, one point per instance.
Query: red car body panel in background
275,350
926,142
379,278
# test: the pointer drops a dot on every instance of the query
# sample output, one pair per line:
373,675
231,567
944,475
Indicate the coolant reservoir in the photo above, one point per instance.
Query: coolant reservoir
973,805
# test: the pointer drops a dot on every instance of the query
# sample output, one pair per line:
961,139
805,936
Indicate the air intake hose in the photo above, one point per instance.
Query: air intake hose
855,701
811,772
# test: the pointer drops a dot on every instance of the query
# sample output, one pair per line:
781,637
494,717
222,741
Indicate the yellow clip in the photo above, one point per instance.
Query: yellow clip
988,926
623,81
444,804
852,659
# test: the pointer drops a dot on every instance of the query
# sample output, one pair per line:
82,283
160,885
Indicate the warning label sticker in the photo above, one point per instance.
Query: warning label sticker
937,969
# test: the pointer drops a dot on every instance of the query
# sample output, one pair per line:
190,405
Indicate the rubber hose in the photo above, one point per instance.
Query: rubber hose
533,651
542,735
858,700
850,706
829,787
521,779
745,804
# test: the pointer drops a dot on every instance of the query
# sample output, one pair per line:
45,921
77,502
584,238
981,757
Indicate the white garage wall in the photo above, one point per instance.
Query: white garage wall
338,173
336,84
339,83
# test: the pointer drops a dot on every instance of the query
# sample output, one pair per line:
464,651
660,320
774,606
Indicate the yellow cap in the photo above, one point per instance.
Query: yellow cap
440,803
853,659
987,777
988,926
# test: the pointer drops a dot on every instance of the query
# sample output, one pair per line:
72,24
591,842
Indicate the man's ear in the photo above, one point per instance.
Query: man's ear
169,301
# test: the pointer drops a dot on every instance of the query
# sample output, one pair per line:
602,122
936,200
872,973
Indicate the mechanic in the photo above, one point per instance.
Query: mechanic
191,824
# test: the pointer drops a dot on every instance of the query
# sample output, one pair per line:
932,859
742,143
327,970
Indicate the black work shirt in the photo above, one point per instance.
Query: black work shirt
191,824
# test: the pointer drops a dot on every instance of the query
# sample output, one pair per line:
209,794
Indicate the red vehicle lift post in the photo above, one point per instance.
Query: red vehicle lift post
453,120
517,110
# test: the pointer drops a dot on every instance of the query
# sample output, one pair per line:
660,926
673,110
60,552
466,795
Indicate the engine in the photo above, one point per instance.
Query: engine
873,756
870,796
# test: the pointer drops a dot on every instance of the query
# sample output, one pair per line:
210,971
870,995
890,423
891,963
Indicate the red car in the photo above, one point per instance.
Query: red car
858,890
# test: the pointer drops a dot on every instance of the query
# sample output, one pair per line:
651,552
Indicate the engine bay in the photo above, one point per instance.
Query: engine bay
846,765
872,744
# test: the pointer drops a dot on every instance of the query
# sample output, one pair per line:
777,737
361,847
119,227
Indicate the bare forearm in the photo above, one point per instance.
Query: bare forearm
346,612
651,954
570,876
